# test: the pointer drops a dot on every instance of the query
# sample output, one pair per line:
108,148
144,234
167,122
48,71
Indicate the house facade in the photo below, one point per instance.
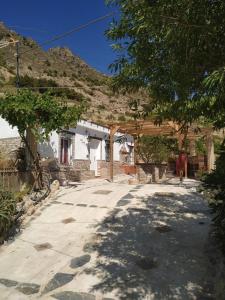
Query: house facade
84,148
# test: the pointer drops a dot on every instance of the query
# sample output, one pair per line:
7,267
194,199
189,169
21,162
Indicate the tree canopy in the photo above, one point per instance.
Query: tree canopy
41,113
156,149
175,49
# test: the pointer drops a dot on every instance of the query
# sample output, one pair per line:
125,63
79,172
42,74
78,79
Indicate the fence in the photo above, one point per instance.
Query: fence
12,180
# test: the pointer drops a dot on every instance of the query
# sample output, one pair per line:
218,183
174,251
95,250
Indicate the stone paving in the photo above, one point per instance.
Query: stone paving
108,241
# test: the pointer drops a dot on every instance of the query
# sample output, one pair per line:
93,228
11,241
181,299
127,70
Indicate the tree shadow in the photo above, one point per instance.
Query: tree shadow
154,251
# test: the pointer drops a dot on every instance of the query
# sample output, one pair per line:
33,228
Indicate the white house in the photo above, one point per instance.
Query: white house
85,147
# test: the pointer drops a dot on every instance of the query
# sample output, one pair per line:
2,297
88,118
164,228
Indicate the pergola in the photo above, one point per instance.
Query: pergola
168,128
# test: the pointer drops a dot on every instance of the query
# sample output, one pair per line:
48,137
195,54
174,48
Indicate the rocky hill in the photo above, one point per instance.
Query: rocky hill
59,67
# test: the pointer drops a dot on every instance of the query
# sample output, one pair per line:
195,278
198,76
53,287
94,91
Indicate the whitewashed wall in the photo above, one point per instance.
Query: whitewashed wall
6,131
83,130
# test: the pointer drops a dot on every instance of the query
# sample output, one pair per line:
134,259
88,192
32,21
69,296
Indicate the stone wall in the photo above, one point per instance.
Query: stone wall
104,168
8,145
80,164
151,172
79,171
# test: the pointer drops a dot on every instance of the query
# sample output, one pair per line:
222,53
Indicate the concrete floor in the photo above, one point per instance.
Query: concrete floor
104,240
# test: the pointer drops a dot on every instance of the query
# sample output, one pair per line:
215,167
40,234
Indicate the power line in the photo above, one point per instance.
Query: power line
67,33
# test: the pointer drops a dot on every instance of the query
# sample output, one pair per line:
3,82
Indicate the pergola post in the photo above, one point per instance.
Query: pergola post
136,141
192,147
210,152
180,148
113,130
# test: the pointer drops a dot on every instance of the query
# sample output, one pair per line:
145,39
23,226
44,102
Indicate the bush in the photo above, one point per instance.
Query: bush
214,187
122,118
7,213
101,107
156,149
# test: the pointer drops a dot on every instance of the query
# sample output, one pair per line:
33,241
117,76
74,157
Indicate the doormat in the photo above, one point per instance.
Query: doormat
102,192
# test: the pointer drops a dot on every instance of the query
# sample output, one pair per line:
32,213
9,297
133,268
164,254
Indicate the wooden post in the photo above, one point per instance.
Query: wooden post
113,130
186,168
210,153
181,139
192,147
136,141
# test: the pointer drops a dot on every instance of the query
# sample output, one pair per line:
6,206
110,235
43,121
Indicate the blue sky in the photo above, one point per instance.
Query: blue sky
57,16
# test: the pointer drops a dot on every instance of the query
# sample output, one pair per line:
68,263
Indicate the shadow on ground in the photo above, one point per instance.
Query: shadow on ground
155,250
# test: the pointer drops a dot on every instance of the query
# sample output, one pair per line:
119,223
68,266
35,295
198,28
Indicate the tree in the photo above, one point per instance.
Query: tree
37,115
175,50
39,112
156,149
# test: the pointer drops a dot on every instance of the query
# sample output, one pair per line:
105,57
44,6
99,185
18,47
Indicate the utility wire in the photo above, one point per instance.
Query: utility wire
67,33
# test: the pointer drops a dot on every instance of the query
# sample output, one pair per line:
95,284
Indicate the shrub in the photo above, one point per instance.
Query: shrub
122,118
156,149
214,185
7,213
101,107
47,63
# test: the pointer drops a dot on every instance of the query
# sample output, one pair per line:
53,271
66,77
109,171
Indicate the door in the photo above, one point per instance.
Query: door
94,155
64,154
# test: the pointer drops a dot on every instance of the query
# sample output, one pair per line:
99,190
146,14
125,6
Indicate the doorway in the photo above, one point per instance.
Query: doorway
94,154
64,151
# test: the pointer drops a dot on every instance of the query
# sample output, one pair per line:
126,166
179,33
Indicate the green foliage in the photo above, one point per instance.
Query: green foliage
101,107
47,63
200,146
122,118
39,112
156,149
2,61
31,82
43,85
214,184
174,49
7,212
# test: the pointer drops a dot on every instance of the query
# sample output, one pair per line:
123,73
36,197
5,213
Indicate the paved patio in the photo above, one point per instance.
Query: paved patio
104,240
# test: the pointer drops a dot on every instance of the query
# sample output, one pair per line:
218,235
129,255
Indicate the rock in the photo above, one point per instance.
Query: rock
58,280
28,288
8,282
54,186
89,247
30,211
28,204
19,206
80,261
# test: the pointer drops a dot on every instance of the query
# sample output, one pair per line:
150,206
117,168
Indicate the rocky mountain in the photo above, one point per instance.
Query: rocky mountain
60,68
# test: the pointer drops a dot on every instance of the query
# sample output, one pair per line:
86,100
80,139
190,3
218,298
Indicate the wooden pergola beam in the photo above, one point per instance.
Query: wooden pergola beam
168,128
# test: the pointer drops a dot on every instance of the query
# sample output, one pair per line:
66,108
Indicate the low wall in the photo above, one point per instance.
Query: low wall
78,171
104,168
80,164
